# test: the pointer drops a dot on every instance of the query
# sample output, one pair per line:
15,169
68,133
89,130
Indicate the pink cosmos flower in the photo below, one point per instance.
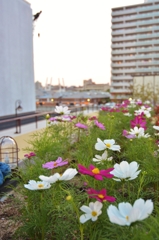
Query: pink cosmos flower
29,155
80,125
128,135
54,164
95,172
99,125
100,196
93,118
138,121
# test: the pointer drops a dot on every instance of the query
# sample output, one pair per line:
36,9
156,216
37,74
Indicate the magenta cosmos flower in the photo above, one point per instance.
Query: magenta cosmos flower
29,155
80,125
54,164
101,195
138,121
95,172
99,125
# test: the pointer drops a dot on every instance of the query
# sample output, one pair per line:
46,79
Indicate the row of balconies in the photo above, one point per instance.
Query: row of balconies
136,37
136,24
136,16
120,90
128,77
135,64
122,84
143,56
135,10
136,70
135,30
139,43
135,50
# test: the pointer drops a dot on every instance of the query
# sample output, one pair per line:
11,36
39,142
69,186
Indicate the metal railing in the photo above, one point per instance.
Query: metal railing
22,120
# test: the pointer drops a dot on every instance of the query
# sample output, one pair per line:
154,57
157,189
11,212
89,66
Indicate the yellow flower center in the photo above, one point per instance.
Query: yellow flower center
40,185
127,218
55,164
68,198
95,171
94,213
101,196
108,145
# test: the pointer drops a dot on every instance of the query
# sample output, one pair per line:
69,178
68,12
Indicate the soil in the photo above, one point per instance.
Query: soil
9,221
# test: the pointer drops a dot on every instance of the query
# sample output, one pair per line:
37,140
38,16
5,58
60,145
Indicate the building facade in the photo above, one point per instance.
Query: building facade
16,58
135,46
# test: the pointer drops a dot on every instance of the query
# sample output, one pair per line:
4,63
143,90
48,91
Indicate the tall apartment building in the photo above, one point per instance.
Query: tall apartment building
135,46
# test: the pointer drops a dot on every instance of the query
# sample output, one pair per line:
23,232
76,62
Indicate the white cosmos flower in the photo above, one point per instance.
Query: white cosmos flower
33,185
104,157
106,144
144,110
128,114
52,179
92,212
139,132
156,128
67,175
125,170
126,214
62,110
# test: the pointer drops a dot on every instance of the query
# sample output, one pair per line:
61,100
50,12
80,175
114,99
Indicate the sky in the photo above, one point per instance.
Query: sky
75,40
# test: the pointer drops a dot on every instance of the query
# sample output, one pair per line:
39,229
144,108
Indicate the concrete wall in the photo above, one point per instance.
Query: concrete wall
16,57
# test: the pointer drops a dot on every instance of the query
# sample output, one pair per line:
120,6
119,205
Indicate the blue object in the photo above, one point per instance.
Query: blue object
1,178
5,169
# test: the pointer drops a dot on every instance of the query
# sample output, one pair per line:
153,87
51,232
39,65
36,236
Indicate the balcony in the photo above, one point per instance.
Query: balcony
135,30
121,84
125,64
135,10
120,90
136,37
135,17
135,23
122,78
122,58
135,44
136,70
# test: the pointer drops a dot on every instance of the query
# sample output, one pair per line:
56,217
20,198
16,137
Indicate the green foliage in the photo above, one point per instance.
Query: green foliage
46,214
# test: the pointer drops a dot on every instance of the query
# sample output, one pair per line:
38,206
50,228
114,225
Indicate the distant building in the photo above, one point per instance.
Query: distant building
90,85
135,46
16,57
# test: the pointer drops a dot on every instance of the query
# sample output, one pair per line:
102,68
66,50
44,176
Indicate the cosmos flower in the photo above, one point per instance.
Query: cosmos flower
156,128
80,125
99,125
101,159
126,214
33,185
138,121
62,110
127,135
144,110
54,164
29,155
67,175
92,118
139,132
100,195
106,144
125,170
127,114
92,212
95,172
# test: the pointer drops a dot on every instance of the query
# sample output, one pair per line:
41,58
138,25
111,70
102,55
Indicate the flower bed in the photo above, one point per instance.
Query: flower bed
93,178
